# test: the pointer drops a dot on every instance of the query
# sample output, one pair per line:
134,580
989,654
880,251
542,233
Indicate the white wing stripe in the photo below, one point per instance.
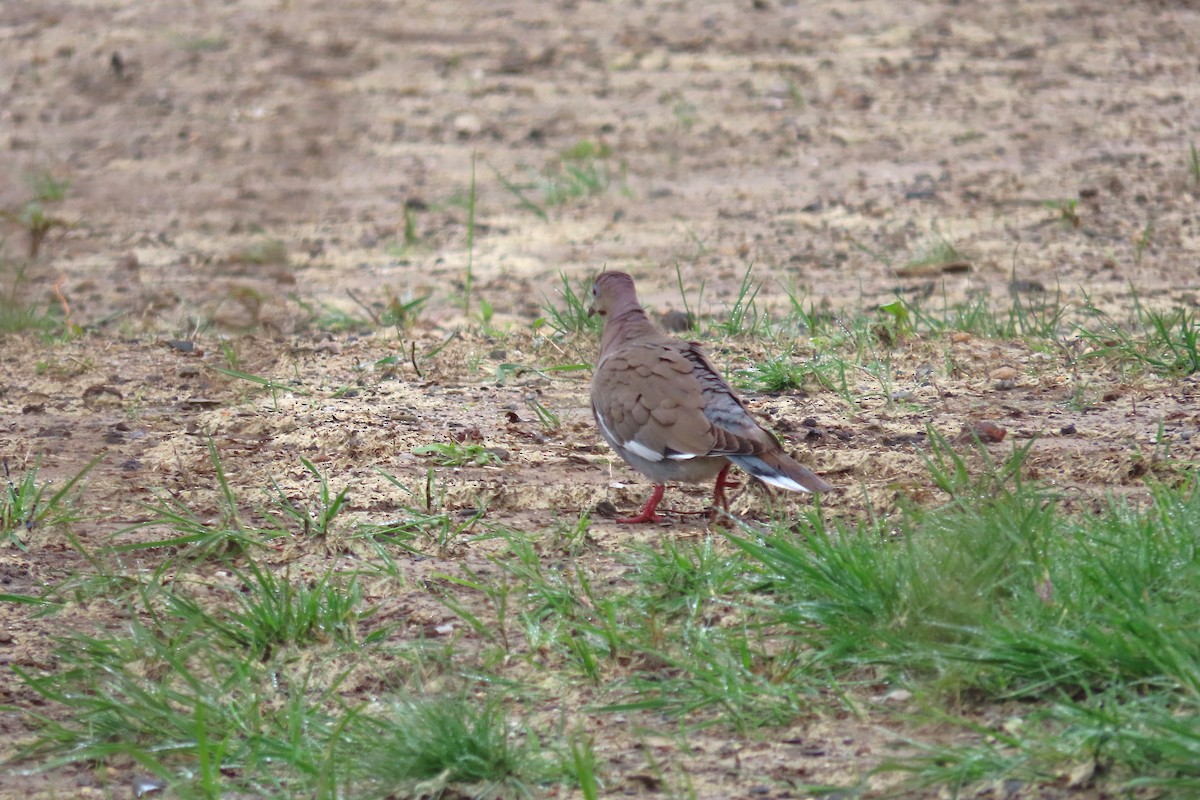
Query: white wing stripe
641,451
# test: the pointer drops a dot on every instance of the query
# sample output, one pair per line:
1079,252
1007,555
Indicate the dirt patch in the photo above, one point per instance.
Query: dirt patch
253,186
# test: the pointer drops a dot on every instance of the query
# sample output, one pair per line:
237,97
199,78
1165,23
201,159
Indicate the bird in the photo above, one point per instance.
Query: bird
663,407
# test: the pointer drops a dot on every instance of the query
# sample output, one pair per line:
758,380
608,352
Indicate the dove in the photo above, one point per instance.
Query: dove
663,407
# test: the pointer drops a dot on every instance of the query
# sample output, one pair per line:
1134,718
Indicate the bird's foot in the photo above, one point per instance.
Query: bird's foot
647,513
719,502
639,519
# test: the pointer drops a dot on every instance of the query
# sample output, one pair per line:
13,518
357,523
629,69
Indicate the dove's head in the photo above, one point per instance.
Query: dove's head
613,294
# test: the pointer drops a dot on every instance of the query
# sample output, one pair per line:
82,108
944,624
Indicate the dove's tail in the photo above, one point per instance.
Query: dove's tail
780,469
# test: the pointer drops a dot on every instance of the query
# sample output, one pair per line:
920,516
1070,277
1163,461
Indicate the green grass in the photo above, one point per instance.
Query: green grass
1066,211
785,372
570,317
229,681
660,623
15,318
389,311
688,312
581,171
549,420
992,594
411,237
1042,630
423,523
172,697
743,317
1164,342
1168,344
286,514
16,314
221,703
454,454
422,746
28,506
227,526
34,215
996,596
265,611
1034,318
326,317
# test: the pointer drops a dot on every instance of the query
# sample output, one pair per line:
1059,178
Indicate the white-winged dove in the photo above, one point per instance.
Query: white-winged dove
662,406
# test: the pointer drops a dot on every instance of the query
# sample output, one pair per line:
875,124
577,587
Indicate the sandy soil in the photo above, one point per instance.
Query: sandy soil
239,172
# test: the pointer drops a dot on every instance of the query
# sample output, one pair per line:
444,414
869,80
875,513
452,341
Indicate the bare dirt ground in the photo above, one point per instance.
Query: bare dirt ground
238,171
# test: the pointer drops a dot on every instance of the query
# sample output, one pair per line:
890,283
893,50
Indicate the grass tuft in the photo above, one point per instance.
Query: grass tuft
27,504
744,318
455,454
268,611
997,595
1169,343
571,318
425,745
34,215
232,528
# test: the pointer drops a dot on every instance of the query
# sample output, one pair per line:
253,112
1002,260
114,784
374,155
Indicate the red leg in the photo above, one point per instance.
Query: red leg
719,500
647,513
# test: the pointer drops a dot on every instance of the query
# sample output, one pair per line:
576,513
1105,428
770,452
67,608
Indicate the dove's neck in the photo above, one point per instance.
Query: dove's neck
625,325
